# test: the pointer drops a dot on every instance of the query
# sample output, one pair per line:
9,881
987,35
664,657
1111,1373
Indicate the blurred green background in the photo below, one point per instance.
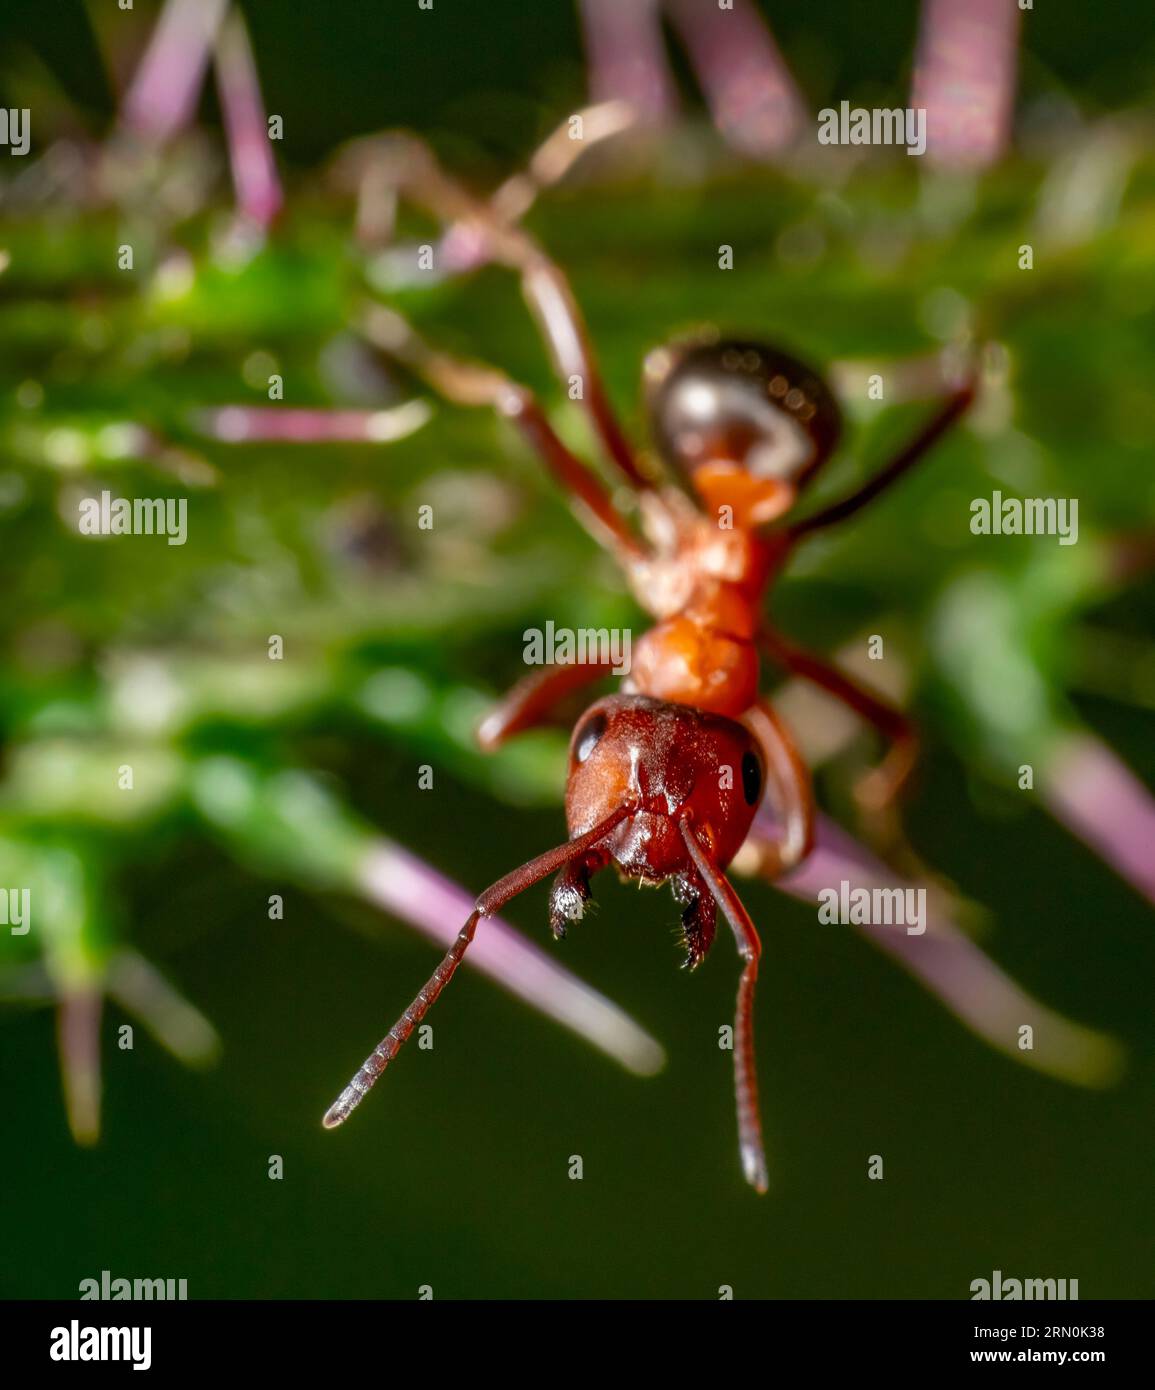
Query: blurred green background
455,1174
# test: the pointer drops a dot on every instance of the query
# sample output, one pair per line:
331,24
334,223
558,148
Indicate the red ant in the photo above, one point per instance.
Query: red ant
665,778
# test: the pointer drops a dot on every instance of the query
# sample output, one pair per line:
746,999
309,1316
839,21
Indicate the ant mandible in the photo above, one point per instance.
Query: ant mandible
665,777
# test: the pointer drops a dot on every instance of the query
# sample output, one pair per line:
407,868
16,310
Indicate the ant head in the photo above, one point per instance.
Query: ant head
746,425
672,760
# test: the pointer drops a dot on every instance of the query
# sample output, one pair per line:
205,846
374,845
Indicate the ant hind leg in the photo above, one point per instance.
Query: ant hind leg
475,384
879,790
490,230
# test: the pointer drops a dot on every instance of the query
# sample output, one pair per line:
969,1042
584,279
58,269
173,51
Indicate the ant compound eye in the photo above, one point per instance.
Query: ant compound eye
751,779
588,736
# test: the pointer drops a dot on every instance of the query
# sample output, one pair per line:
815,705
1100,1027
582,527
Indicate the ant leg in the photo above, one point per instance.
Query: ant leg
745,1065
789,780
475,384
546,287
558,153
415,170
552,303
877,793
952,409
533,698
879,789
381,167
491,901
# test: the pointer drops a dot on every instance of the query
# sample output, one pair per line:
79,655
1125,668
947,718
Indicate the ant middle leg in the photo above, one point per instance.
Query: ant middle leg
878,793
948,414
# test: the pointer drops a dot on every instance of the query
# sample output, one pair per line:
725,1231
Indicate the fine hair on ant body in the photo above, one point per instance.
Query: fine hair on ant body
665,777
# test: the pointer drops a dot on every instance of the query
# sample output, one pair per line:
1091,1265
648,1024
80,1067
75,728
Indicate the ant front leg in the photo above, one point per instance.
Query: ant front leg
534,698
790,787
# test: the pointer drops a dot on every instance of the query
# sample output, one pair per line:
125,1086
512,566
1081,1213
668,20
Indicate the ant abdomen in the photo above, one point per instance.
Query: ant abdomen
743,423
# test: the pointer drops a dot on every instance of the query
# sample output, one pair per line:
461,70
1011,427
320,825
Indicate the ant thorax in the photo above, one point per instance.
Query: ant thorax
693,554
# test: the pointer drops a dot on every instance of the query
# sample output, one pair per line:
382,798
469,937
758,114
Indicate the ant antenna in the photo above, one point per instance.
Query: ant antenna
492,900
745,1068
